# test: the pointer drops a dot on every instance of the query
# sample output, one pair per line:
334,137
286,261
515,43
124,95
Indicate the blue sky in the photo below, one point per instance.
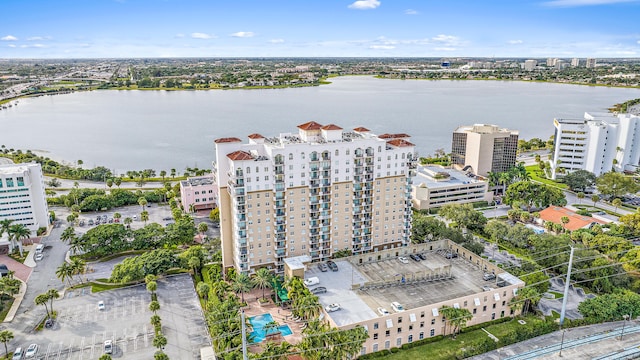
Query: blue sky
319,28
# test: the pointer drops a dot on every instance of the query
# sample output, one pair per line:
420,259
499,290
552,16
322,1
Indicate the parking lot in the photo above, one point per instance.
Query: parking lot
81,328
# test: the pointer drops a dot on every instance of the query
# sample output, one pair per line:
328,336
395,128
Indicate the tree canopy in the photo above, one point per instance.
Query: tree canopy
615,185
580,180
533,194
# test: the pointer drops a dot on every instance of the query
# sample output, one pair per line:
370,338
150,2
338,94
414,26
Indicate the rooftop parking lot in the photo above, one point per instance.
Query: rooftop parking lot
396,281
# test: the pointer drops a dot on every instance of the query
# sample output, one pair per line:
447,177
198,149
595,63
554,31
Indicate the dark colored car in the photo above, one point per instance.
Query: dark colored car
451,255
332,265
414,257
318,290
422,256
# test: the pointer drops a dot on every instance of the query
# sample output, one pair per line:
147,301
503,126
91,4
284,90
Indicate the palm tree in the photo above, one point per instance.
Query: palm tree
160,355
202,228
155,320
616,202
580,196
5,225
42,300
5,337
144,216
220,289
307,306
152,286
271,326
68,234
159,341
65,272
163,174
203,290
241,284
128,221
117,181
17,233
143,202
564,220
595,199
154,306
52,294
78,266
117,215
524,299
262,280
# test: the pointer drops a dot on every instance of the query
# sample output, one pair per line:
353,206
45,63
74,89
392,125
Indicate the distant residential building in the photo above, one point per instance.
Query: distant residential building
598,143
530,65
483,148
575,62
314,192
22,195
555,214
551,62
198,193
435,186
591,63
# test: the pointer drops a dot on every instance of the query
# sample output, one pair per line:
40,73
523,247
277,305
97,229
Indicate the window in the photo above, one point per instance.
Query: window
375,336
421,336
421,324
398,341
410,338
9,182
432,332
387,344
375,326
433,321
387,333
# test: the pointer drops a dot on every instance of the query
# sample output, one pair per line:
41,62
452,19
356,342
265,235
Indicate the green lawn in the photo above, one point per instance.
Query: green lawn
538,175
447,348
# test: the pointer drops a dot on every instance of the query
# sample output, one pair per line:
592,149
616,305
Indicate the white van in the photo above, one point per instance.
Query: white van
312,281
39,248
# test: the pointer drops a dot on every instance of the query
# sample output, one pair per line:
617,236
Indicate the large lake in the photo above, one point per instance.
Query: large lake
131,130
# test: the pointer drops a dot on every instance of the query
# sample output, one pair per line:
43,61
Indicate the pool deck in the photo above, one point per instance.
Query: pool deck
282,316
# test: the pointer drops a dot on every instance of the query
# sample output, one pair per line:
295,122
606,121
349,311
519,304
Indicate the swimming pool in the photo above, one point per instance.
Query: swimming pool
259,321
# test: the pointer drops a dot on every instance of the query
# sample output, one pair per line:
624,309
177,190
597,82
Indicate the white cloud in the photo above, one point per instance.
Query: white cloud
9,38
197,35
514,42
638,41
574,3
25,46
179,35
276,41
444,49
12,45
35,38
444,38
364,4
243,34
411,12
382,47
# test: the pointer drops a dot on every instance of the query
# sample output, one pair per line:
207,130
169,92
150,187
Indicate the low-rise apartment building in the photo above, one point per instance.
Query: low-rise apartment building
198,193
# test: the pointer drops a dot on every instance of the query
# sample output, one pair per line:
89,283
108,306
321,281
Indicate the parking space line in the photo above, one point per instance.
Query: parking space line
146,337
81,348
70,347
48,350
93,343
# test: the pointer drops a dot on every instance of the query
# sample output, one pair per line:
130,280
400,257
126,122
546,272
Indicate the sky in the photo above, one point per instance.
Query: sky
319,28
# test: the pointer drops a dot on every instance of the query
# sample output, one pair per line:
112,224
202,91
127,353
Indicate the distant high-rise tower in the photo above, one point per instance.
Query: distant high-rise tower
484,148
551,62
591,63
530,65
575,62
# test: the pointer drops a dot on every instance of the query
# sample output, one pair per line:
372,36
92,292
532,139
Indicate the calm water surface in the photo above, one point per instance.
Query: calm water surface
127,130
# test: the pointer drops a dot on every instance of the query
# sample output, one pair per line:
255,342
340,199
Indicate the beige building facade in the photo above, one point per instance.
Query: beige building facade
483,148
313,193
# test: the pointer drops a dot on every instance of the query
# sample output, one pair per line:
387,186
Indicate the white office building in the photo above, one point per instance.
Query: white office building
575,62
591,63
435,186
313,192
599,143
22,196
530,65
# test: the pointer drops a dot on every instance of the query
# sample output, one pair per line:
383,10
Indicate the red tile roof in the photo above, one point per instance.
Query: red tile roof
399,143
227,140
361,129
394,136
256,136
554,214
331,127
311,125
240,155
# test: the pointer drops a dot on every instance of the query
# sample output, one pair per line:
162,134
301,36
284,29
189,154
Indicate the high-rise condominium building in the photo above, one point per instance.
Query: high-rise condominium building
591,63
598,143
575,62
22,196
530,65
483,148
313,193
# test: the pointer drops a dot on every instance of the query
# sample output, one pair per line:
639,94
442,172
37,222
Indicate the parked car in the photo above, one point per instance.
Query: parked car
90,222
38,257
168,218
31,352
488,276
333,266
318,290
108,347
486,288
382,311
403,260
110,221
81,223
451,255
422,256
311,281
397,307
414,257
116,220
323,267
101,305
332,307
18,354
4,271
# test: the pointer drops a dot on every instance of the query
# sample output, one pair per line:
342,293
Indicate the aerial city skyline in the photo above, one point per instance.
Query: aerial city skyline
363,28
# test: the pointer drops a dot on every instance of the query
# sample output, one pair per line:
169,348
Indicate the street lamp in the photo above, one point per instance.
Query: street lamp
625,317
562,342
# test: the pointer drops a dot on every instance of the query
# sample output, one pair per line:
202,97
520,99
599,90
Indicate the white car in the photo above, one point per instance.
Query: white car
382,311
38,257
101,305
31,352
17,355
403,260
332,307
397,307
108,347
